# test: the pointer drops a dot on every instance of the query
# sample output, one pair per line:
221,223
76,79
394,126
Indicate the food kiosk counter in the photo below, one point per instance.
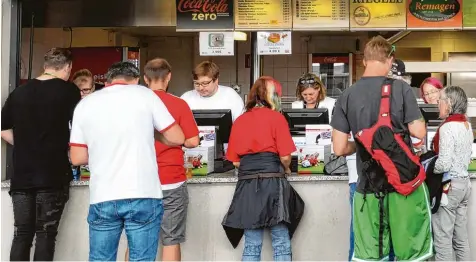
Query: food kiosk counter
322,235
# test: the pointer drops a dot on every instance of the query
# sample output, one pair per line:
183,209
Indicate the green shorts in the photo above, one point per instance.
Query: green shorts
406,222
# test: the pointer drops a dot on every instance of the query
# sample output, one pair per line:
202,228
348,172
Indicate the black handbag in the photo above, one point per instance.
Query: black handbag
337,166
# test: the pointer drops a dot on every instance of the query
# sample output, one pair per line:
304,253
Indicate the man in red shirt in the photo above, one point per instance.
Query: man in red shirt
170,161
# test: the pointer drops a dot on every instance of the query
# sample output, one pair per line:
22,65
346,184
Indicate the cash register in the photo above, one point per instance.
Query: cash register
431,114
222,121
297,121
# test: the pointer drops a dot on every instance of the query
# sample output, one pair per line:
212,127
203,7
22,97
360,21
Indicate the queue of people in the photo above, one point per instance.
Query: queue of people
138,182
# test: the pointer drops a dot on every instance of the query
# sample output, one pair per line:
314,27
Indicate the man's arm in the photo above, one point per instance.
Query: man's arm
341,144
189,127
340,130
7,135
417,128
286,162
169,132
78,154
7,121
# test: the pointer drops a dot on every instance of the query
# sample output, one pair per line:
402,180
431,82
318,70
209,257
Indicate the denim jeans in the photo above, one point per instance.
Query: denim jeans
279,240
450,224
36,212
352,187
139,217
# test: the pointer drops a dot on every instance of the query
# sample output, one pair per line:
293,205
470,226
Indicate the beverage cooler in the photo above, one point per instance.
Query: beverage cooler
335,70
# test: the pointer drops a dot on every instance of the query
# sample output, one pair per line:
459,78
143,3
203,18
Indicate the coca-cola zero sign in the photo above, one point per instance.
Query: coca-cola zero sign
203,15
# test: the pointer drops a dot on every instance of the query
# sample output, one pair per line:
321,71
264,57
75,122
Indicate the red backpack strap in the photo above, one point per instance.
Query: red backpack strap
384,113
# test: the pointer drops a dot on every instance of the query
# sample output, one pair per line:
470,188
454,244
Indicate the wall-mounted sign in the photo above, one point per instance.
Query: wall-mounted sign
274,43
320,14
263,14
469,14
377,15
216,44
435,14
208,15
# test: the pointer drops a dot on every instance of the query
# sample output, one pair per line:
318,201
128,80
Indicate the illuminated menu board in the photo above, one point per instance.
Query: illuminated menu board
263,14
320,14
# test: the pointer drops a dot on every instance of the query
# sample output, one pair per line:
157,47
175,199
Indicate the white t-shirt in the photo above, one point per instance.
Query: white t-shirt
117,125
225,98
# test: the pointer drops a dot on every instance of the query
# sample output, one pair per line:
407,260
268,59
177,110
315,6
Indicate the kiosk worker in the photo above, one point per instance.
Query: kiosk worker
263,195
311,93
84,80
430,90
170,161
208,94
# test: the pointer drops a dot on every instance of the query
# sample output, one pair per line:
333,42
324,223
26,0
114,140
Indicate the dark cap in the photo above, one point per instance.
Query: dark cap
398,68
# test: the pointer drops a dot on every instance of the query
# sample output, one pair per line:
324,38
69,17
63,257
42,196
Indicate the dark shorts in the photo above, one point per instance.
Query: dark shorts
175,215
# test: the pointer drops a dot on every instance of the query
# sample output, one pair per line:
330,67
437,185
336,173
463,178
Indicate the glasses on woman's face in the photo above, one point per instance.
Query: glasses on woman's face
427,94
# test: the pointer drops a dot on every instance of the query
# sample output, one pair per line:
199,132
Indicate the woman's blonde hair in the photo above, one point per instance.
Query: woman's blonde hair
309,80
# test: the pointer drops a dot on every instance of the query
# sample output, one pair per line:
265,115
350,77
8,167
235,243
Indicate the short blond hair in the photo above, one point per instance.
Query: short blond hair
82,76
377,49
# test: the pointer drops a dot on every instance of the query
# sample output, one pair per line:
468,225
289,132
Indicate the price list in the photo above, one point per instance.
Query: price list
263,14
320,14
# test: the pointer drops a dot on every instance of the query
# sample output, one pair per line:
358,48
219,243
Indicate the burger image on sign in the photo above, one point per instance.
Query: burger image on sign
362,15
434,10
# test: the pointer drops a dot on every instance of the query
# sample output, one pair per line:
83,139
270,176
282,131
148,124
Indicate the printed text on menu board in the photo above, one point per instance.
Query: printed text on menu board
263,14
321,14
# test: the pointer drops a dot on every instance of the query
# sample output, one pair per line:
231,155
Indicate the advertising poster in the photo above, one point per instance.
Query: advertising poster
274,43
320,15
435,14
95,59
263,14
469,14
210,15
216,44
378,15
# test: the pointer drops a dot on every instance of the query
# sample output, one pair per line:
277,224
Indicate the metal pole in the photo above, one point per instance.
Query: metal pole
32,36
255,71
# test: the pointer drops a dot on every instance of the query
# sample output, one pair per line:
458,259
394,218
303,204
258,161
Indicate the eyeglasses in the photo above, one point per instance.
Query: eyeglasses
308,81
427,94
87,90
204,84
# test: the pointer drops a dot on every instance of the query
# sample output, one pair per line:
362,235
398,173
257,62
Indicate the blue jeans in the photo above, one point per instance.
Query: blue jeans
141,219
279,240
352,187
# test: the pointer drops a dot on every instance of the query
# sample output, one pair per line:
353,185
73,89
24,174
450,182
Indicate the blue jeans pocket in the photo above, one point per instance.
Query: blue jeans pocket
143,211
96,214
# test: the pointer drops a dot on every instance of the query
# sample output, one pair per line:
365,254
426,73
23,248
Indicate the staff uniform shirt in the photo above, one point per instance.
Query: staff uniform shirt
39,113
170,159
224,98
117,126
260,130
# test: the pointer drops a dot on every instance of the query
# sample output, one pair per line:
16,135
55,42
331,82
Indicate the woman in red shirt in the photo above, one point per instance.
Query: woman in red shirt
263,197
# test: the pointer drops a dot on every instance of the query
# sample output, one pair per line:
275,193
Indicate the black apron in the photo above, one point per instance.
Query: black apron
263,198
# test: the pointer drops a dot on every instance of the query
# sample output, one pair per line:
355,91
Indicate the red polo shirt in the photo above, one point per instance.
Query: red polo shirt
270,133
170,159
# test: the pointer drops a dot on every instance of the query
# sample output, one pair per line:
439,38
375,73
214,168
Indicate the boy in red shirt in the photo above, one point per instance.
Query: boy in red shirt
170,161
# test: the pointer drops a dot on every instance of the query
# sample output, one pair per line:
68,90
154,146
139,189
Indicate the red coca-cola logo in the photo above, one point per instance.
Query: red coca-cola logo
203,6
330,59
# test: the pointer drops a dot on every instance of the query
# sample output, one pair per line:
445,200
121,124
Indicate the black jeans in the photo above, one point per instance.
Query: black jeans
36,212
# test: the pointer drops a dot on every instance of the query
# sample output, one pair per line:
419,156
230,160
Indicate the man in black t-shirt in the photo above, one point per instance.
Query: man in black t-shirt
36,120
406,219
